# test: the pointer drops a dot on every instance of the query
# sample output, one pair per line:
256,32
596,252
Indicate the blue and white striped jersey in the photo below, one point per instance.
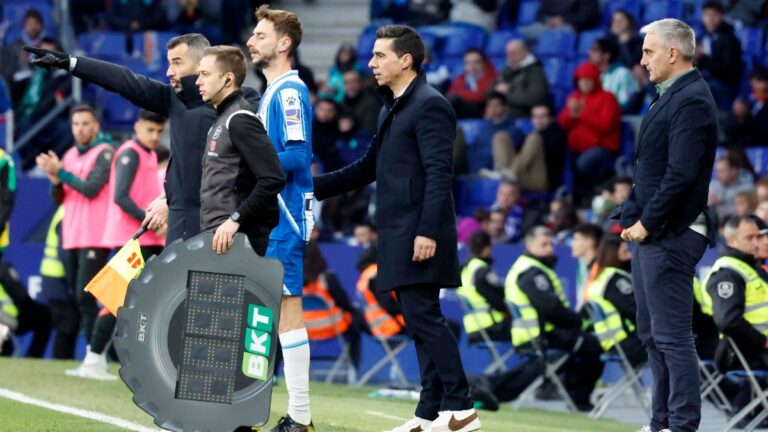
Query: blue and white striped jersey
286,113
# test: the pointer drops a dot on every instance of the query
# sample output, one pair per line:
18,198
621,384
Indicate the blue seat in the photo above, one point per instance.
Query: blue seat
470,128
455,45
497,42
660,9
559,43
752,41
527,12
117,113
455,66
104,45
559,72
631,6
758,156
744,374
587,38
365,42
524,125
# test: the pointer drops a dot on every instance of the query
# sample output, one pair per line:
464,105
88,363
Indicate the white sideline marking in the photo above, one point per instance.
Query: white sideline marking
386,416
92,415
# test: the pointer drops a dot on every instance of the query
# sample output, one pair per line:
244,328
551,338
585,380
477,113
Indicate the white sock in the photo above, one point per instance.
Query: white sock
295,345
92,358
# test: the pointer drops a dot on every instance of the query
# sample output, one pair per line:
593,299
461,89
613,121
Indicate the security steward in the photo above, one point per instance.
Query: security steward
612,290
483,293
705,333
241,173
739,297
535,290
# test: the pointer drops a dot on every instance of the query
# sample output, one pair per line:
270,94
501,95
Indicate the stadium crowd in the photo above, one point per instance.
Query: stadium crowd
546,128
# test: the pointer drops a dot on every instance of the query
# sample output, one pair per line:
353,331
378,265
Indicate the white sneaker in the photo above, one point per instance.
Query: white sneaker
93,371
415,424
456,421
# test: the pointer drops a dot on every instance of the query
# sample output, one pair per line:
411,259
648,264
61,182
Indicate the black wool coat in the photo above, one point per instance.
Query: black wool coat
411,161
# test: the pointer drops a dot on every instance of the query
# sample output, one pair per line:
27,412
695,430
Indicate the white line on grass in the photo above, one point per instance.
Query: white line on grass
92,415
386,416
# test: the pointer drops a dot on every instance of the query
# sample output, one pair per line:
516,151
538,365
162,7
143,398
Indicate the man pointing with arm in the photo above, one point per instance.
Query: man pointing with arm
179,100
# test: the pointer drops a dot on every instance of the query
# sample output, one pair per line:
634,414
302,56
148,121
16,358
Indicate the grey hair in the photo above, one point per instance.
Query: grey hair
731,227
536,232
675,34
196,43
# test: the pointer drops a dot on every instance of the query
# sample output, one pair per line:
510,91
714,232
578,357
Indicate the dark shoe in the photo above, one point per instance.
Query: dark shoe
481,393
548,392
287,424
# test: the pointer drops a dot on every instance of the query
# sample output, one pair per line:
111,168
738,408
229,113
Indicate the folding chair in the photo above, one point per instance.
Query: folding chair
631,377
553,360
760,394
392,346
710,383
314,302
498,360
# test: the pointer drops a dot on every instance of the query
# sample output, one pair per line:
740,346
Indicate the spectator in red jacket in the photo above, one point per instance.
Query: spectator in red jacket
592,120
469,90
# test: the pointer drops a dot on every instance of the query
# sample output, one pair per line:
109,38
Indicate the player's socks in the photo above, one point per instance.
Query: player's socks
295,345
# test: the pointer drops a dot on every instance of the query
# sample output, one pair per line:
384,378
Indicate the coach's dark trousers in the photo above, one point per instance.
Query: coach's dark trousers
662,273
444,383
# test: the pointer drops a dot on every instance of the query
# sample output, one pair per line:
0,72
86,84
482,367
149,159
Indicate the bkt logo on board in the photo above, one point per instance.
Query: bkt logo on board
258,342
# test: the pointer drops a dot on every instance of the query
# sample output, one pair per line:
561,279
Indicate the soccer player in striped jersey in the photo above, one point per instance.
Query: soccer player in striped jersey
286,113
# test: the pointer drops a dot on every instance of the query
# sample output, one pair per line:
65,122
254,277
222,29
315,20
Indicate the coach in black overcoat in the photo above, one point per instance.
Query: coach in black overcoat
410,159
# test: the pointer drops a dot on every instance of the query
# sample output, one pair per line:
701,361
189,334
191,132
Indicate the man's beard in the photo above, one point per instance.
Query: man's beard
265,60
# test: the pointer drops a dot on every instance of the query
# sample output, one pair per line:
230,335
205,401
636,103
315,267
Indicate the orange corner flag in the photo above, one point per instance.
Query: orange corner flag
111,283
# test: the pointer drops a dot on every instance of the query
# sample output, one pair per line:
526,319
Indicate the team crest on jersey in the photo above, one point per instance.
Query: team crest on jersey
725,289
217,132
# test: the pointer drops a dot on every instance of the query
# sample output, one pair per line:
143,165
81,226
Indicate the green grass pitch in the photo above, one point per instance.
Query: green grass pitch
336,408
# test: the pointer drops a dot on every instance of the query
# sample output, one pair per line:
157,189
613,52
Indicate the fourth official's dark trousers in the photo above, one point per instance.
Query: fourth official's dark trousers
445,386
662,273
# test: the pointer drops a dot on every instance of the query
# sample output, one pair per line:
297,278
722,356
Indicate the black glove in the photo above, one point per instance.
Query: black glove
49,59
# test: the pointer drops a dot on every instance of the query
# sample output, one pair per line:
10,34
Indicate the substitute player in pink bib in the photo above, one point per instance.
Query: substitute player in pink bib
132,186
79,184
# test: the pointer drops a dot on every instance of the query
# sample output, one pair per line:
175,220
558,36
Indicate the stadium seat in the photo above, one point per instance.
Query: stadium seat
474,193
752,41
631,6
455,66
117,113
758,156
456,44
470,128
524,125
105,45
497,42
527,13
660,9
587,38
559,43
365,42
559,72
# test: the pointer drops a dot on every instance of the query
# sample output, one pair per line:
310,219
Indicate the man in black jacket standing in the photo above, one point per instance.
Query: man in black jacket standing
190,118
241,173
411,160
666,216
